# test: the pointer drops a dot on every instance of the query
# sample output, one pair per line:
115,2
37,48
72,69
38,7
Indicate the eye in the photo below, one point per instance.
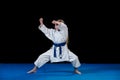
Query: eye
56,24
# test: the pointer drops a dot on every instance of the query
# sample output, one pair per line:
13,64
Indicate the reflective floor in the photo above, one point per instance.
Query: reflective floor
59,71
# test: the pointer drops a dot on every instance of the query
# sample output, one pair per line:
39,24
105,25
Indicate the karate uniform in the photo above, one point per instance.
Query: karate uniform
57,37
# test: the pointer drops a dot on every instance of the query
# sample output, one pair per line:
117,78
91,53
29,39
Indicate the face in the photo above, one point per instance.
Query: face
56,25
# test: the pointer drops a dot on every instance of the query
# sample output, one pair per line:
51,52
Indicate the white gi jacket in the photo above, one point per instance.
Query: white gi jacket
58,37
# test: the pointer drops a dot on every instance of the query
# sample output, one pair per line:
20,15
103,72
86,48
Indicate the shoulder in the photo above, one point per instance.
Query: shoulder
63,24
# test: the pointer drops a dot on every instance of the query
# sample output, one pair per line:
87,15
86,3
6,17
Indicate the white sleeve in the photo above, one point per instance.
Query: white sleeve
48,32
63,26
63,30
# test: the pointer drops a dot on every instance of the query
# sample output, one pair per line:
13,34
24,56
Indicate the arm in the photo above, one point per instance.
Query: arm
48,32
63,29
56,22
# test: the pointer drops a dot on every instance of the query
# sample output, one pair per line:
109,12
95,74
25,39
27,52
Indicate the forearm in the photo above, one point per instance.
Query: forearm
56,22
42,27
48,32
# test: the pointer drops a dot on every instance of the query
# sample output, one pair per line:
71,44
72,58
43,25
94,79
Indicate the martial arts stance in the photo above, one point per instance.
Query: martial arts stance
59,51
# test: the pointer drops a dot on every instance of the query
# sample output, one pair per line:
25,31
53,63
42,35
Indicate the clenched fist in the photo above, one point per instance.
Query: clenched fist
41,21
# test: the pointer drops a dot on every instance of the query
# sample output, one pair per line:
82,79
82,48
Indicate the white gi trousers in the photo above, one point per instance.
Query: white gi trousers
48,56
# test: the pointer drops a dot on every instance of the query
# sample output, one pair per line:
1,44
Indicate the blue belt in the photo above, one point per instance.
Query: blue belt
60,49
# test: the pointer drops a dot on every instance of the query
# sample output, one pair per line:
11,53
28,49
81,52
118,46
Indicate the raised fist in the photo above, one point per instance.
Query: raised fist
41,20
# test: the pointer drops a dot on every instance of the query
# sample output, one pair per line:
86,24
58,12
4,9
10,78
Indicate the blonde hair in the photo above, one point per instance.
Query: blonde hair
60,20
67,41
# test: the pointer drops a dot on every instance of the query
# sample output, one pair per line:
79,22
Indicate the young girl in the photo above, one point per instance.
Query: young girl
59,51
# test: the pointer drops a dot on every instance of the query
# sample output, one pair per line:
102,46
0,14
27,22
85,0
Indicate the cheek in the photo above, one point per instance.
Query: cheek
56,27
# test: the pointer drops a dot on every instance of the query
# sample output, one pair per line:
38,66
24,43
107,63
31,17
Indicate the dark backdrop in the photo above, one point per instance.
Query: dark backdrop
93,33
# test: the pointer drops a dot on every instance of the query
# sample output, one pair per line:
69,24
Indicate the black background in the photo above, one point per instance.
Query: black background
93,31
